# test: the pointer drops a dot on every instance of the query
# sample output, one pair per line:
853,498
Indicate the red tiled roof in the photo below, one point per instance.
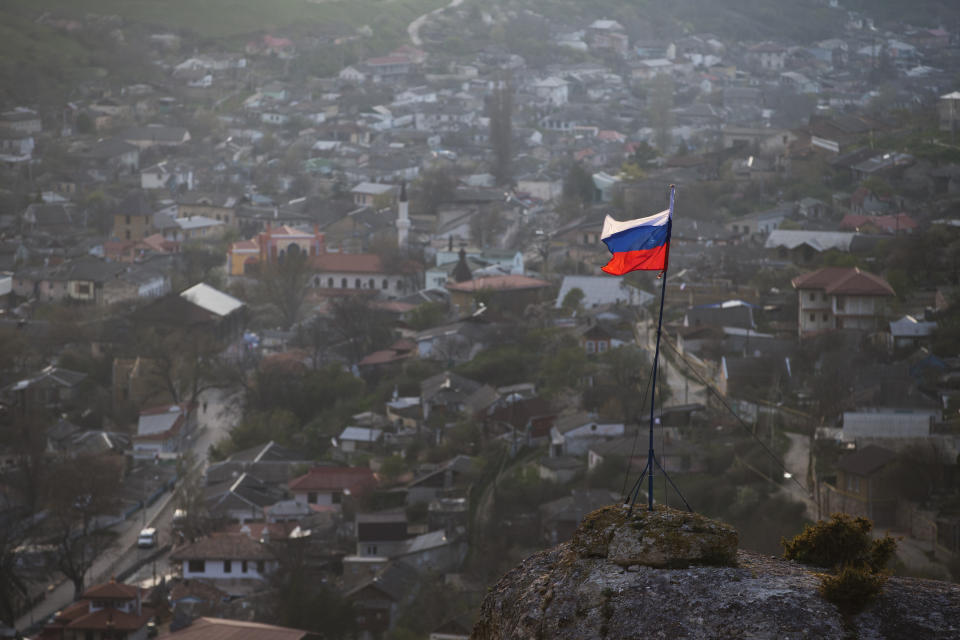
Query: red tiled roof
848,281
891,224
111,591
223,546
110,618
245,245
500,283
356,479
218,629
347,262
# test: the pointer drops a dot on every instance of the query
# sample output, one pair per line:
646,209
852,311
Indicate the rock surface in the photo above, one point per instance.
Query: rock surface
573,592
660,538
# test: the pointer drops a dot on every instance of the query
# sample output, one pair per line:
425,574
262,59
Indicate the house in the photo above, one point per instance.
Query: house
573,434
243,498
767,56
730,313
381,534
378,600
109,157
841,298
856,488
373,194
133,218
227,560
201,308
762,222
910,332
552,90
155,135
52,389
354,439
210,205
168,175
327,486
272,246
595,338
609,35
83,280
22,120
803,246
223,629
893,224
870,423
509,293
450,393
107,611
360,271
163,430
598,291
948,107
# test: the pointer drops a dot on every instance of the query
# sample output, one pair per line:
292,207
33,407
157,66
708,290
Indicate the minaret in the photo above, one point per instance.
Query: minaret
403,217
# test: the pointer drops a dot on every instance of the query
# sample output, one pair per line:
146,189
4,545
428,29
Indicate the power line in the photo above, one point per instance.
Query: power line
740,420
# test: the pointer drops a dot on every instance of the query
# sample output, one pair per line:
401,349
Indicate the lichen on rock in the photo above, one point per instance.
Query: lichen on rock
662,538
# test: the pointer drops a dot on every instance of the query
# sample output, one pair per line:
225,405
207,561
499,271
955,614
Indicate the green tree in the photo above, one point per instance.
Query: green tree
572,300
578,185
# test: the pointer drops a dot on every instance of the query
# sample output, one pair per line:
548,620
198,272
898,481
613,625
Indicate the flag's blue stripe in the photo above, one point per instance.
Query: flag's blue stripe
639,238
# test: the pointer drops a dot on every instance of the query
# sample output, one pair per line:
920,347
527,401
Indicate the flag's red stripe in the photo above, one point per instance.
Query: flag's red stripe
645,260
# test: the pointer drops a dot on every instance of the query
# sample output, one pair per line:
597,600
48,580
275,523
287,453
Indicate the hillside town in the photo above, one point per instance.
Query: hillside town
292,342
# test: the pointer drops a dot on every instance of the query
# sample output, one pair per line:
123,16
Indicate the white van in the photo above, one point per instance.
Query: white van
147,539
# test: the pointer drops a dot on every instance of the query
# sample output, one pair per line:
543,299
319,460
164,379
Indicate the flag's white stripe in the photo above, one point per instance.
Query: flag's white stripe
611,226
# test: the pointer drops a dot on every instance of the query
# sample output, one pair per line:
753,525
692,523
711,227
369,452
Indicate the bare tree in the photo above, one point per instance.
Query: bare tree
500,111
83,497
283,284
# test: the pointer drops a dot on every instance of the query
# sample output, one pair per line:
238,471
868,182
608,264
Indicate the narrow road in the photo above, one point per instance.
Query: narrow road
797,462
684,388
219,411
413,29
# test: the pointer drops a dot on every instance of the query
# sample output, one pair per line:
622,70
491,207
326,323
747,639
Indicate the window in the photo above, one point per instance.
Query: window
261,566
337,497
343,283
601,346
227,566
386,283
330,282
841,303
591,347
813,297
813,317
853,483
312,498
356,283
371,284
371,549
243,566
825,317
126,219
196,566
126,234
83,289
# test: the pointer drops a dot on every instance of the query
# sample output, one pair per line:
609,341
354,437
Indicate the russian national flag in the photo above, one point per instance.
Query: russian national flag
638,245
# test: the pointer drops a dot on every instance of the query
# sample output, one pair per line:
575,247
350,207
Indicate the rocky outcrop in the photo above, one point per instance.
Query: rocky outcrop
588,588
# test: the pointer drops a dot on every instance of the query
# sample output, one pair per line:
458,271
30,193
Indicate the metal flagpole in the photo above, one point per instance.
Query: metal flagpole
656,356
